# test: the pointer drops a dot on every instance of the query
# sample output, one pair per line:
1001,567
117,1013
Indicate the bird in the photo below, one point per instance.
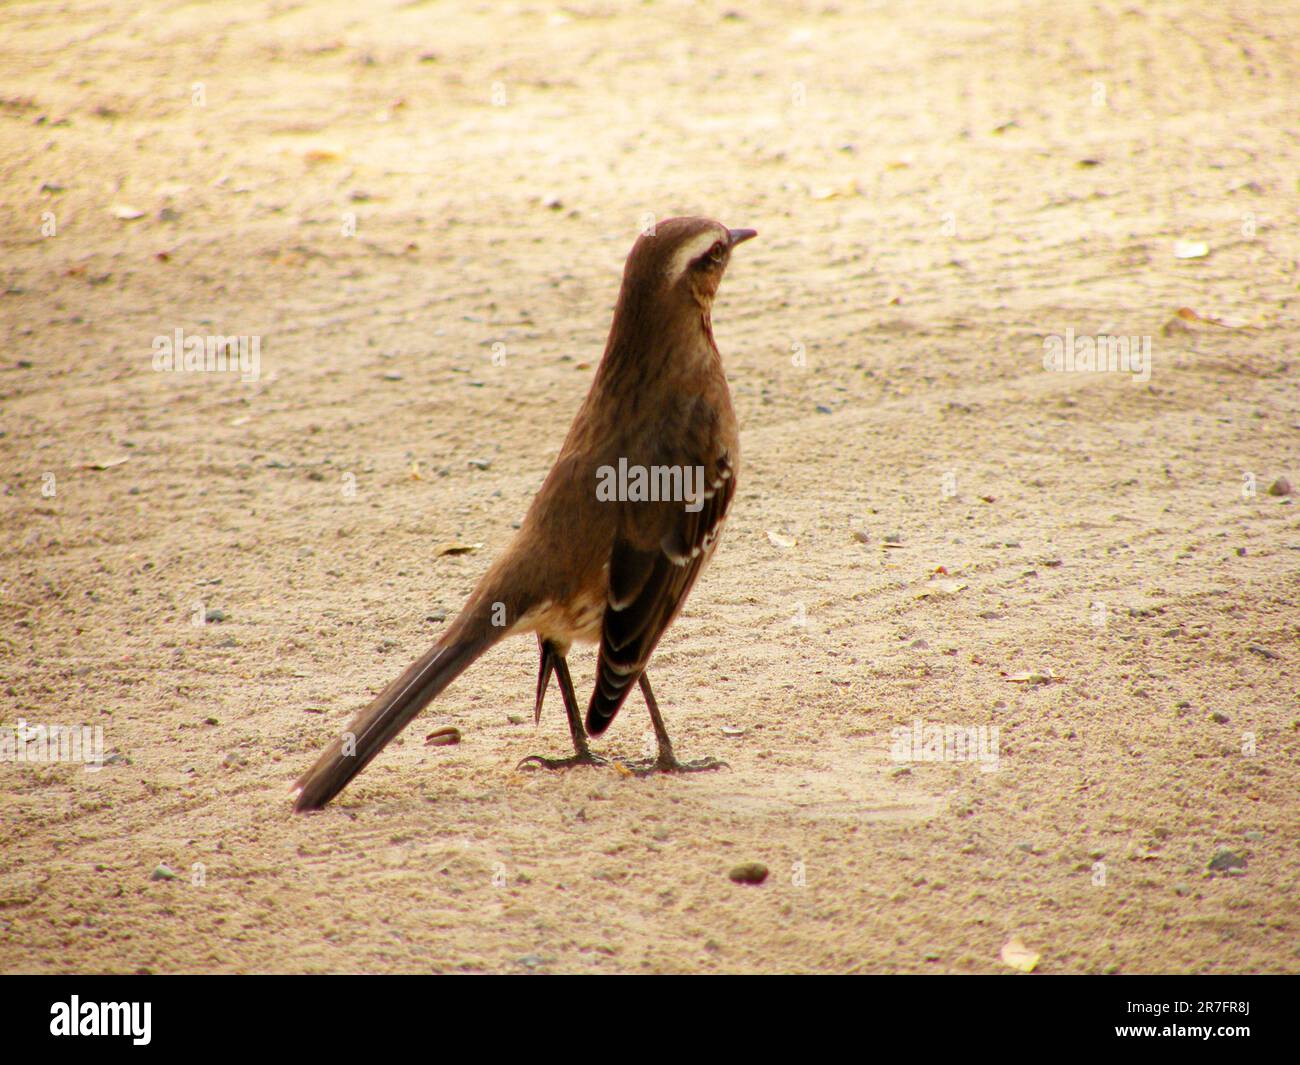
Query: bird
620,529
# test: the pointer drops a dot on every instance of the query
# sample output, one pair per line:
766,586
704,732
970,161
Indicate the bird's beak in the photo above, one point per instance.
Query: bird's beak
739,236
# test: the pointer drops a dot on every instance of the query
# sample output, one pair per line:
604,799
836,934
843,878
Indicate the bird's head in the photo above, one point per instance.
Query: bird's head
681,259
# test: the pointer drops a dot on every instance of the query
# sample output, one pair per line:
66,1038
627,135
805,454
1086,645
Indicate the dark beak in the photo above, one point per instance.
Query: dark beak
739,236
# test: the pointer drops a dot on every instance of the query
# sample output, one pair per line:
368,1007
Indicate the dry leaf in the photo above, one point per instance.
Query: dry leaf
446,736
1018,956
1031,678
1190,249
107,464
828,192
941,588
455,547
1211,319
780,540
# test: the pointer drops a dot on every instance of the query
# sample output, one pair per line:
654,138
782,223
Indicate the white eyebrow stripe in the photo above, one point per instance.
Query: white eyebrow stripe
690,251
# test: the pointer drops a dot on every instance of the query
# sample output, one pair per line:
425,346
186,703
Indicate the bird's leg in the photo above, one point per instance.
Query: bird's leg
666,761
543,675
553,660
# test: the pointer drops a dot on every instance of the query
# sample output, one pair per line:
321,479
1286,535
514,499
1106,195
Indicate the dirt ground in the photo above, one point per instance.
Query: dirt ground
422,210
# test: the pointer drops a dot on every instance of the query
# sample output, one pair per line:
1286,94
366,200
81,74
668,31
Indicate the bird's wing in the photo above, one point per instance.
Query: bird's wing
656,557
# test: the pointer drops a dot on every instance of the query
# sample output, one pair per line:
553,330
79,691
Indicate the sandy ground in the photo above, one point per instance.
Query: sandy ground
382,194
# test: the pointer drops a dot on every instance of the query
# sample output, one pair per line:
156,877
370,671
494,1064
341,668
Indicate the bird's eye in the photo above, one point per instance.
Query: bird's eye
717,252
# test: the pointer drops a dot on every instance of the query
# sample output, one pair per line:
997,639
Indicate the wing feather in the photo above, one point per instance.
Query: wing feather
649,583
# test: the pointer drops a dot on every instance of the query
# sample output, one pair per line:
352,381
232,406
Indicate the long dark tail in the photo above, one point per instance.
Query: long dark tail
393,709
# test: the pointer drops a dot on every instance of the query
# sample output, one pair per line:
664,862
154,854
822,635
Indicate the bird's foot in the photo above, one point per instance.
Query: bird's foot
668,763
536,761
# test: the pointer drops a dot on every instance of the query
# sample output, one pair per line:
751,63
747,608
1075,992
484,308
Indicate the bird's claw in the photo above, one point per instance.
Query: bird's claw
537,761
670,764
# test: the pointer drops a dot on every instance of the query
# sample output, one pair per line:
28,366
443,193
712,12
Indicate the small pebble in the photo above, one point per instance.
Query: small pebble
1280,487
1227,860
749,873
162,873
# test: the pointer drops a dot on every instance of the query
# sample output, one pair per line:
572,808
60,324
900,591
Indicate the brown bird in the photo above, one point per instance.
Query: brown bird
628,516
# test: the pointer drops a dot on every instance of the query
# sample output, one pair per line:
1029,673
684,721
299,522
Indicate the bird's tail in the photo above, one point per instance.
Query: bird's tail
394,707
